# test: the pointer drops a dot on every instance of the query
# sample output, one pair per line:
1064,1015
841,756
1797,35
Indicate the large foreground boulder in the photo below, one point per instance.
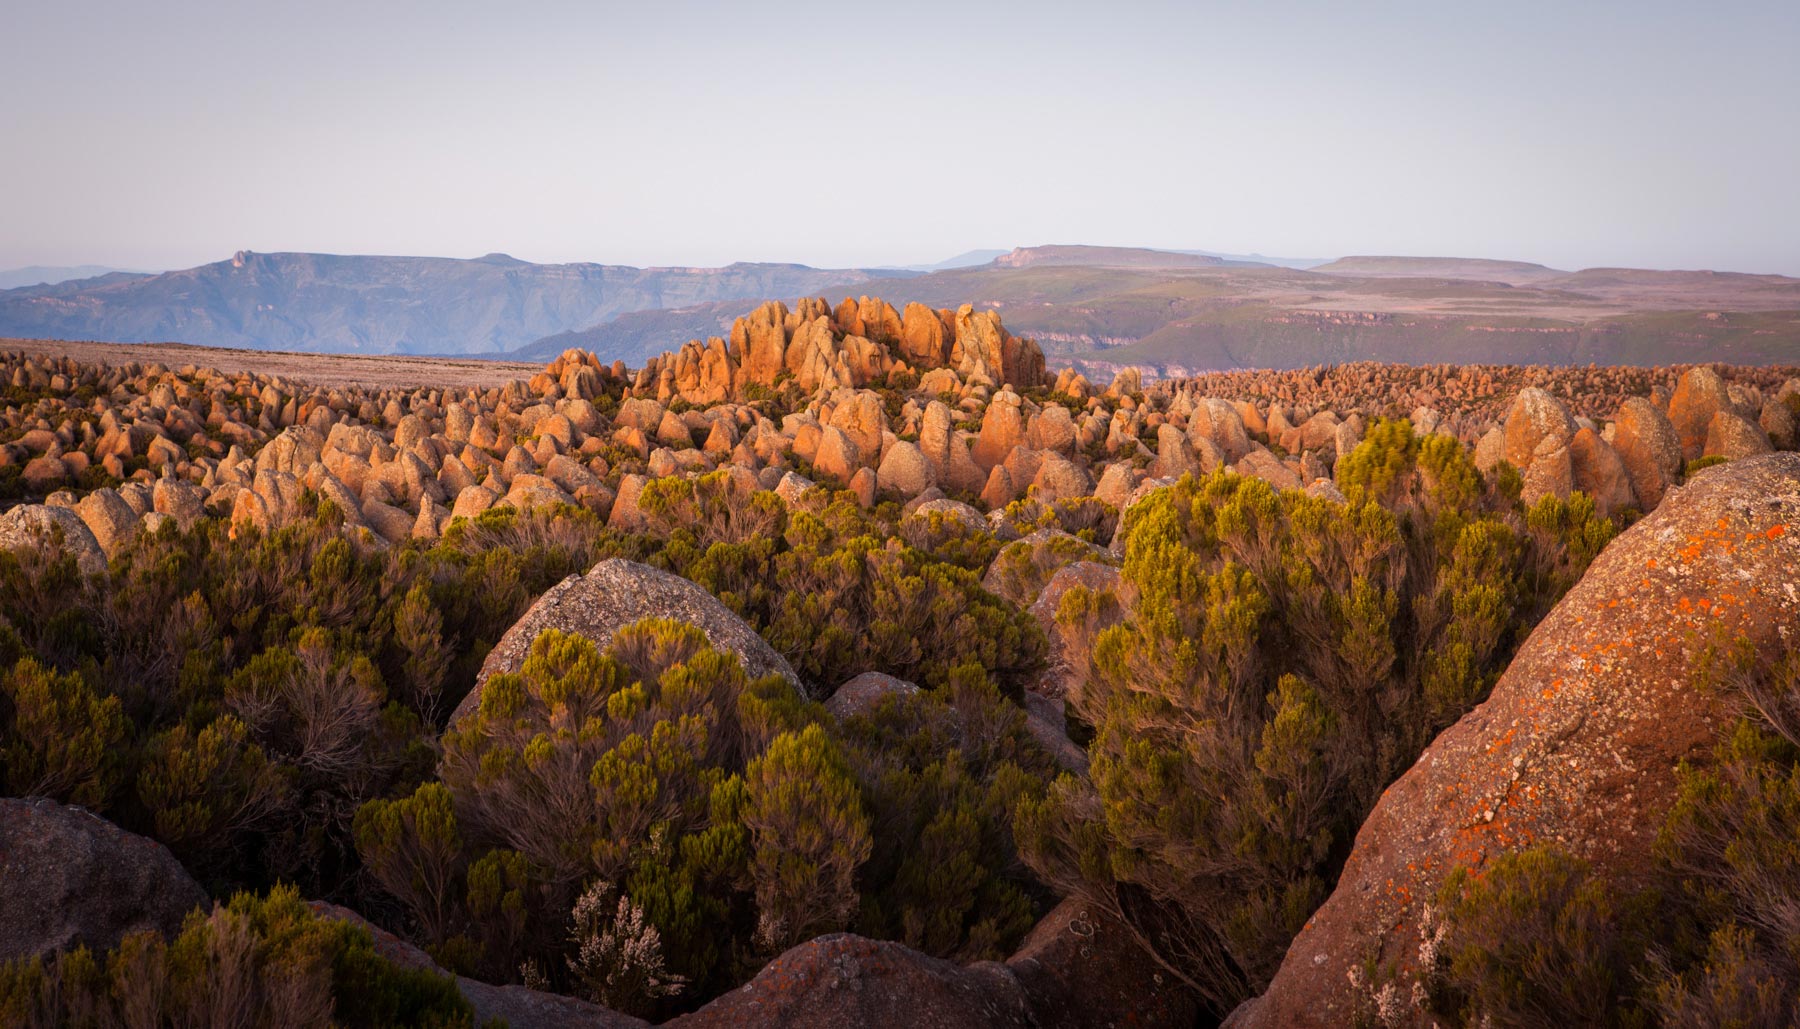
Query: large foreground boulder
614,594
1579,741
69,878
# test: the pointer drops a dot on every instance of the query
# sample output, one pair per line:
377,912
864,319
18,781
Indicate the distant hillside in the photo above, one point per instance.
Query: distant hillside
640,335
966,259
1103,257
1223,316
1513,272
49,275
356,304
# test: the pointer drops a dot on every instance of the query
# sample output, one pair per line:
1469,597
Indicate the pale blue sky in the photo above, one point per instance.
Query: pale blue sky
1576,134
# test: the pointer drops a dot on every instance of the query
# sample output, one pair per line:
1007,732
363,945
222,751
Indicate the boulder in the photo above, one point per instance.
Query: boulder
1550,472
71,878
862,418
838,456
1649,447
1596,470
109,518
1266,466
1220,424
954,510
1059,478
1777,420
904,470
41,528
1730,435
1002,429
180,500
1579,740
1490,450
1535,417
863,693
841,981
1078,968
614,594
1698,396
1074,970
1065,667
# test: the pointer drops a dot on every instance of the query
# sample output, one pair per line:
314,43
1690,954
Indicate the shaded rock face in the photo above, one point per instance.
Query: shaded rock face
1580,738
69,878
614,594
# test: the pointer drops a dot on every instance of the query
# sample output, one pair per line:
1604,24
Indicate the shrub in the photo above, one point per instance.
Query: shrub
1284,658
57,737
808,837
204,789
1536,941
264,961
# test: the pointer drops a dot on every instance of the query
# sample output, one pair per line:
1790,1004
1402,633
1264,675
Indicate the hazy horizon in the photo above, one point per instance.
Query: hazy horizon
699,134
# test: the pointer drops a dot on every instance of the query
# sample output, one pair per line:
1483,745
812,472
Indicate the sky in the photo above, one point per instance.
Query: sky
680,132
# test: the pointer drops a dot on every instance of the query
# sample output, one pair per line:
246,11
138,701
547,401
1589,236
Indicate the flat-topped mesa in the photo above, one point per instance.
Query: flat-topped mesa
859,343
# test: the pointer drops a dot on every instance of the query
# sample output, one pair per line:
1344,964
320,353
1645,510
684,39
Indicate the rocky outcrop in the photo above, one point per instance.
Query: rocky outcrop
856,344
70,878
614,594
1579,740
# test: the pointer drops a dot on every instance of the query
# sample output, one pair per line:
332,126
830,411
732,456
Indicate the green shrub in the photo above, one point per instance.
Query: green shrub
808,837
57,737
265,961
1536,941
1286,657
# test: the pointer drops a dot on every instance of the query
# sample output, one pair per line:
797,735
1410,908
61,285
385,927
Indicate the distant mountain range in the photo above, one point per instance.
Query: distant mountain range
49,275
1098,307
384,305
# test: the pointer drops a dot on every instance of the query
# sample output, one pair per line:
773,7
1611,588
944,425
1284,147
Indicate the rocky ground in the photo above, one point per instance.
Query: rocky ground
913,406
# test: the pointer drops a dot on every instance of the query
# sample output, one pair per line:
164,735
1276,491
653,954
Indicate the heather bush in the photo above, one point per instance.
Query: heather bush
255,962
57,737
1283,658
702,821
1535,941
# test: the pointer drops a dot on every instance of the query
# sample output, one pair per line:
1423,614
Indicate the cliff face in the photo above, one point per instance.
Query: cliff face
330,304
